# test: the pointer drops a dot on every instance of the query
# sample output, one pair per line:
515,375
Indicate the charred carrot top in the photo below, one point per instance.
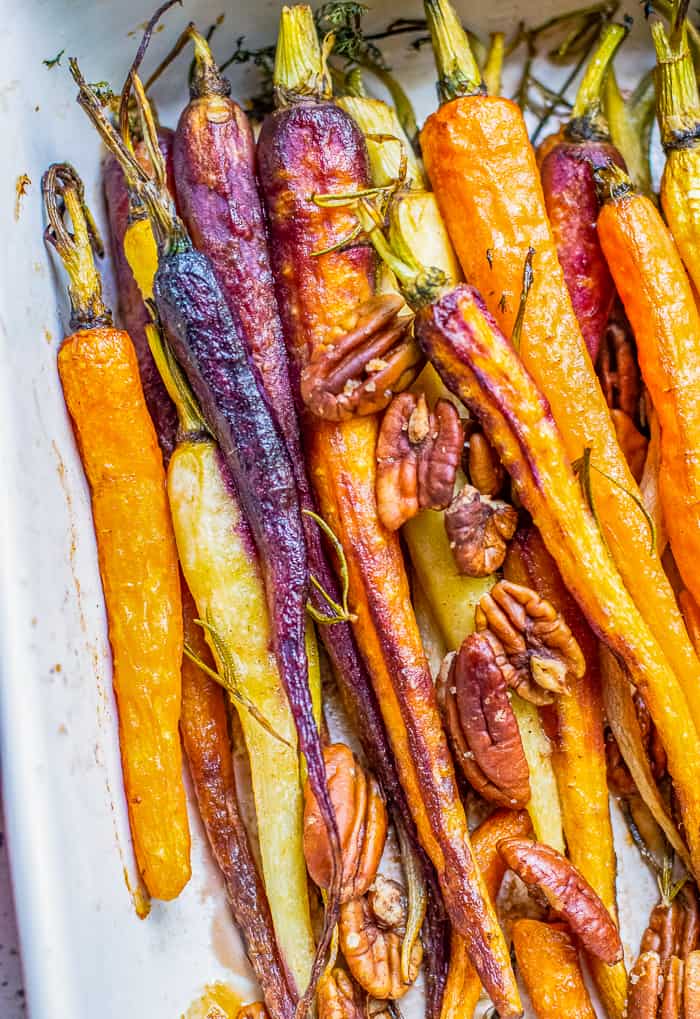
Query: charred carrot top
678,111
310,147
661,307
484,174
135,544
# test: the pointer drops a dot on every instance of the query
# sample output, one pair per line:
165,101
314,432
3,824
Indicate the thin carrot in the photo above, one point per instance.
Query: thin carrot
135,544
484,173
548,961
661,308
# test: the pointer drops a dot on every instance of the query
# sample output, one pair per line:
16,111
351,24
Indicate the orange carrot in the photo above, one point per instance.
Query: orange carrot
463,988
484,174
548,961
661,308
136,549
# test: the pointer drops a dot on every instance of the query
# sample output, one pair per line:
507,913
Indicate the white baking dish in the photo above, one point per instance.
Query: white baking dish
85,953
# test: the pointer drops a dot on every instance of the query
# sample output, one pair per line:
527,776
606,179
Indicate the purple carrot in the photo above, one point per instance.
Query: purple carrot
571,200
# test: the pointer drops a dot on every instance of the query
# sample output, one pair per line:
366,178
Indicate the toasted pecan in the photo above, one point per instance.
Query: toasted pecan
418,453
567,892
473,697
536,639
371,943
644,984
338,997
479,529
373,358
362,822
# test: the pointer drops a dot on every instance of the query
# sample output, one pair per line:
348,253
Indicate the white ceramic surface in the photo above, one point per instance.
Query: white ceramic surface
84,951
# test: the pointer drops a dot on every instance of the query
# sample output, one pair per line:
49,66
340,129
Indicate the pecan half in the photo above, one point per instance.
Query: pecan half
567,892
485,469
538,644
618,369
371,943
632,443
671,996
338,997
478,529
418,453
374,357
473,697
643,989
361,817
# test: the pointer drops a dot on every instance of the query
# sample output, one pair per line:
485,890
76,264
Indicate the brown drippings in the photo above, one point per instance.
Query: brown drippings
218,1001
21,185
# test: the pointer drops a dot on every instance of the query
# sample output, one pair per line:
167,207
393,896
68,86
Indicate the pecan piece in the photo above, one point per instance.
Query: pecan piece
567,892
361,817
643,990
374,357
338,997
618,369
418,453
632,443
671,996
254,1010
536,639
485,469
371,943
473,697
478,529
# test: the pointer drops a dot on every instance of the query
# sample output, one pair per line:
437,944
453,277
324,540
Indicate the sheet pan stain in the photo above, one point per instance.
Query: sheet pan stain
22,184
225,942
217,1002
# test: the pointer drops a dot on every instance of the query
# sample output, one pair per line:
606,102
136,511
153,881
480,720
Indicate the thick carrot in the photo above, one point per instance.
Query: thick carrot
305,148
476,361
136,550
463,988
548,962
482,167
578,753
678,110
205,735
661,308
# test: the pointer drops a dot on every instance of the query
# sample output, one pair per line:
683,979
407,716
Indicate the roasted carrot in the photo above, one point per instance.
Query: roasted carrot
309,147
485,178
549,965
205,736
661,308
678,112
463,988
135,544
132,310
571,200
578,750
691,614
476,361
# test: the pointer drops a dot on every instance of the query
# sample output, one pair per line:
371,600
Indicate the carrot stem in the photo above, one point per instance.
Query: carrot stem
587,120
458,71
301,70
678,100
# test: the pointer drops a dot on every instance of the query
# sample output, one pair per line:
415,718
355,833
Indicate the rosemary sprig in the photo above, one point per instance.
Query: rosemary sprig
582,468
227,678
342,610
528,277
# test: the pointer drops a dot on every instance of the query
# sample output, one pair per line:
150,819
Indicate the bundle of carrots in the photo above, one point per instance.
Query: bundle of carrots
431,399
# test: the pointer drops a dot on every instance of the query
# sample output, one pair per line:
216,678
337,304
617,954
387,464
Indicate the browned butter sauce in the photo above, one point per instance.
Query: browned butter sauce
218,1001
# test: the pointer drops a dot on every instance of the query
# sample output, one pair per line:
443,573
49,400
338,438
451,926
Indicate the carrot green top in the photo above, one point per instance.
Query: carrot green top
300,62
458,71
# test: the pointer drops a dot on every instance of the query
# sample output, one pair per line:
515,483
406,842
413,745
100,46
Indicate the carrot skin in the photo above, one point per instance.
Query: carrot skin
471,146
548,961
138,564
205,736
132,311
314,148
572,207
662,311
